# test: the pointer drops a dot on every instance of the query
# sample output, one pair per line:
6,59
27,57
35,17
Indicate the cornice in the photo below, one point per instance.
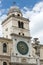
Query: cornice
13,34
18,17
2,38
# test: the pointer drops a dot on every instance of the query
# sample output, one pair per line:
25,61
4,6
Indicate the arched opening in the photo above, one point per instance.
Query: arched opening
18,14
19,33
23,34
4,63
20,24
4,47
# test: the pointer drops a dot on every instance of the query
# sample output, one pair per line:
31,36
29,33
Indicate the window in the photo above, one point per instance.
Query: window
18,15
13,15
20,24
23,34
19,33
4,63
4,48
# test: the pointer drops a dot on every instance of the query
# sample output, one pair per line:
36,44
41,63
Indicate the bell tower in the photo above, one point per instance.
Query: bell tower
15,23
16,27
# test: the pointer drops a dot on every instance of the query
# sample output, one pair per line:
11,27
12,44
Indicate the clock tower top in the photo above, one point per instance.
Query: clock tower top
15,10
15,23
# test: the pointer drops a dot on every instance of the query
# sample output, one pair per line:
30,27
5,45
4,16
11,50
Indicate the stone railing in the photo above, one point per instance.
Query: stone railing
23,60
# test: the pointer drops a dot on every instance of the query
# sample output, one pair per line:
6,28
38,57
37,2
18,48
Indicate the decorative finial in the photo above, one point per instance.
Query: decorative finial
14,3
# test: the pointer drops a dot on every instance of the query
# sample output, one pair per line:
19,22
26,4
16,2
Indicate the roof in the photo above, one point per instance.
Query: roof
14,9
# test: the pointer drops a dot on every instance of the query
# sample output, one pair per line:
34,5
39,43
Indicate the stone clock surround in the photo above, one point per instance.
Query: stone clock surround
17,39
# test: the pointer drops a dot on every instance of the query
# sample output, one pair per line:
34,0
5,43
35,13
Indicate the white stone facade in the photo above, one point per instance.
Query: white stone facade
11,37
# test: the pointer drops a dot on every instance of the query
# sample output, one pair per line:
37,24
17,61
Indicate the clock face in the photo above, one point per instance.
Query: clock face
22,48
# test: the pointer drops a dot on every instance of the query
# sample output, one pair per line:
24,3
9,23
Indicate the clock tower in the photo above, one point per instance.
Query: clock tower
16,27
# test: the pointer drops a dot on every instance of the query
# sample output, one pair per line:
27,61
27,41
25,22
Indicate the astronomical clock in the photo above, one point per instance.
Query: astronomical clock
22,47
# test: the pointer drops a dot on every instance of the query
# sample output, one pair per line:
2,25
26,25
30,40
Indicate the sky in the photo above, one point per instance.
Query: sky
31,9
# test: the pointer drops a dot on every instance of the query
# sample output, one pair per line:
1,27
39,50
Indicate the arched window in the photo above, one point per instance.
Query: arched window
4,63
4,47
20,24
23,34
18,14
19,33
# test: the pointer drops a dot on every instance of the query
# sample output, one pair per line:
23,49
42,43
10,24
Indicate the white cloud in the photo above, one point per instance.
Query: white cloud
36,17
0,2
38,7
